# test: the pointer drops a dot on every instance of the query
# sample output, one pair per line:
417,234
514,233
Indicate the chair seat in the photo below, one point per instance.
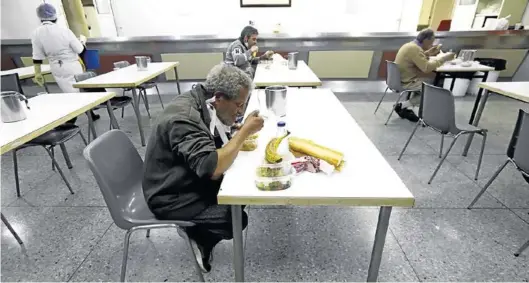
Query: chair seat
116,102
468,128
56,136
147,85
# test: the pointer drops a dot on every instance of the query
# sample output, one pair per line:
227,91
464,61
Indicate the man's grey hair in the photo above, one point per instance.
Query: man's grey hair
228,80
424,35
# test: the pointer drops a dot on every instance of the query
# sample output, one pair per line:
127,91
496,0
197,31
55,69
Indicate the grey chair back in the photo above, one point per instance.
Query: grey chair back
519,146
85,76
437,109
118,170
11,83
393,76
121,64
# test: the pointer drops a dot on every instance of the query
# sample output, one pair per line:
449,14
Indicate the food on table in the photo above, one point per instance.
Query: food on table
312,165
308,147
273,184
271,155
273,170
250,143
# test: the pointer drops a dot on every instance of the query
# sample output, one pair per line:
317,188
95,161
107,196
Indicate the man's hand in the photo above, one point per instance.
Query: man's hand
433,51
254,48
39,78
448,56
252,124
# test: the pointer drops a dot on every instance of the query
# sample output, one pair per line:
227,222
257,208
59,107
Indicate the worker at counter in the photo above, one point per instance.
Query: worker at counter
189,151
417,64
243,51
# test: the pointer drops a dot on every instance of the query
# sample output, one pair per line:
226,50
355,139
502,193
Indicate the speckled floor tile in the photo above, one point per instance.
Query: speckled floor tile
319,244
461,244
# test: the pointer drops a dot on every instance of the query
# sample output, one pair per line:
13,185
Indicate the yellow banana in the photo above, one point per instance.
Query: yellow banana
271,154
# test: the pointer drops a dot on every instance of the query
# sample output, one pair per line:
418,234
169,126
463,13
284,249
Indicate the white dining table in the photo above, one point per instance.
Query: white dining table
28,72
366,179
131,77
46,112
277,73
515,90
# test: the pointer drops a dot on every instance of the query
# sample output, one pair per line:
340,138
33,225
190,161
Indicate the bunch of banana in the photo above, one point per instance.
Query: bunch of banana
271,155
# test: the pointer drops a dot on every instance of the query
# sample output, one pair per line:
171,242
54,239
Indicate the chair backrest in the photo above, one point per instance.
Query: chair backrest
11,83
118,170
85,76
519,146
437,108
121,64
393,76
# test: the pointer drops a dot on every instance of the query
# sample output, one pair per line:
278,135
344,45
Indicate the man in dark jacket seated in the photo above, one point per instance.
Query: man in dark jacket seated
190,149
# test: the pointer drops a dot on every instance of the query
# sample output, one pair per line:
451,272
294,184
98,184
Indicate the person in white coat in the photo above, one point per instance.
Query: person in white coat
62,49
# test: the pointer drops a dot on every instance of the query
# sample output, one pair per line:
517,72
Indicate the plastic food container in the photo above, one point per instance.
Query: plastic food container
250,144
274,170
274,184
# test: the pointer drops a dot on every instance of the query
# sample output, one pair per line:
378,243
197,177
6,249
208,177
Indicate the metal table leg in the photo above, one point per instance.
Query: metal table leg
238,253
478,98
91,126
476,120
136,107
378,245
177,79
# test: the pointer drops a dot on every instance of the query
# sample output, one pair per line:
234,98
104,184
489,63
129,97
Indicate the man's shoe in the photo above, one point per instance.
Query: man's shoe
406,113
95,116
203,255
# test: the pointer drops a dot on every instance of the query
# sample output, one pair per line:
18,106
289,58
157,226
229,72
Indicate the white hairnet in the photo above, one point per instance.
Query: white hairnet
46,12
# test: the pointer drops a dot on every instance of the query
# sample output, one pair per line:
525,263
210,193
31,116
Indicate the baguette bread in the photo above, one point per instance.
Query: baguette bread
307,147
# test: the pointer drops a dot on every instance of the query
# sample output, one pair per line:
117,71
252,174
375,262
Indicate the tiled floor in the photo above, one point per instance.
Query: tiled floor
72,238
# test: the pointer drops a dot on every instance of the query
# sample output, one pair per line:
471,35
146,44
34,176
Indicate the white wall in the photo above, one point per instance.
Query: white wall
525,19
19,18
184,17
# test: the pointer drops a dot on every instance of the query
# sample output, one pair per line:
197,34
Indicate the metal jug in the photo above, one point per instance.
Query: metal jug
11,108
142,62
293,60
276,100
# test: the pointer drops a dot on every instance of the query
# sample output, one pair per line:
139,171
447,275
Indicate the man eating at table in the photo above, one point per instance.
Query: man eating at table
243,51
190,149
417,64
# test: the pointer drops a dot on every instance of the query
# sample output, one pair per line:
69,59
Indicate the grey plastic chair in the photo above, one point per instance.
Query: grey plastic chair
143,87
394,84
517,154
437,112
118,170
11,229
49,140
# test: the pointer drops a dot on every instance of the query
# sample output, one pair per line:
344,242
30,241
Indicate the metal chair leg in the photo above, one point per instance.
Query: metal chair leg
380,102
125,255
193,256
53,154
443,159
15,165
484,133
11,229
66,156
159,96
59,170
488,184
123,108
83,138
442,143
409,139
145,101
393,108
522,248
148,233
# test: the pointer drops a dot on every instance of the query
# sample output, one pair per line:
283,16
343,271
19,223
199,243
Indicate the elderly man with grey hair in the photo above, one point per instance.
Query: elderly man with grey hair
189,150
417,64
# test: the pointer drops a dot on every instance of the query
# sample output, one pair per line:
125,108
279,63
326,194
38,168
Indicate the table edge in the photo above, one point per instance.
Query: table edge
483,85
14,144
308,201
133,84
